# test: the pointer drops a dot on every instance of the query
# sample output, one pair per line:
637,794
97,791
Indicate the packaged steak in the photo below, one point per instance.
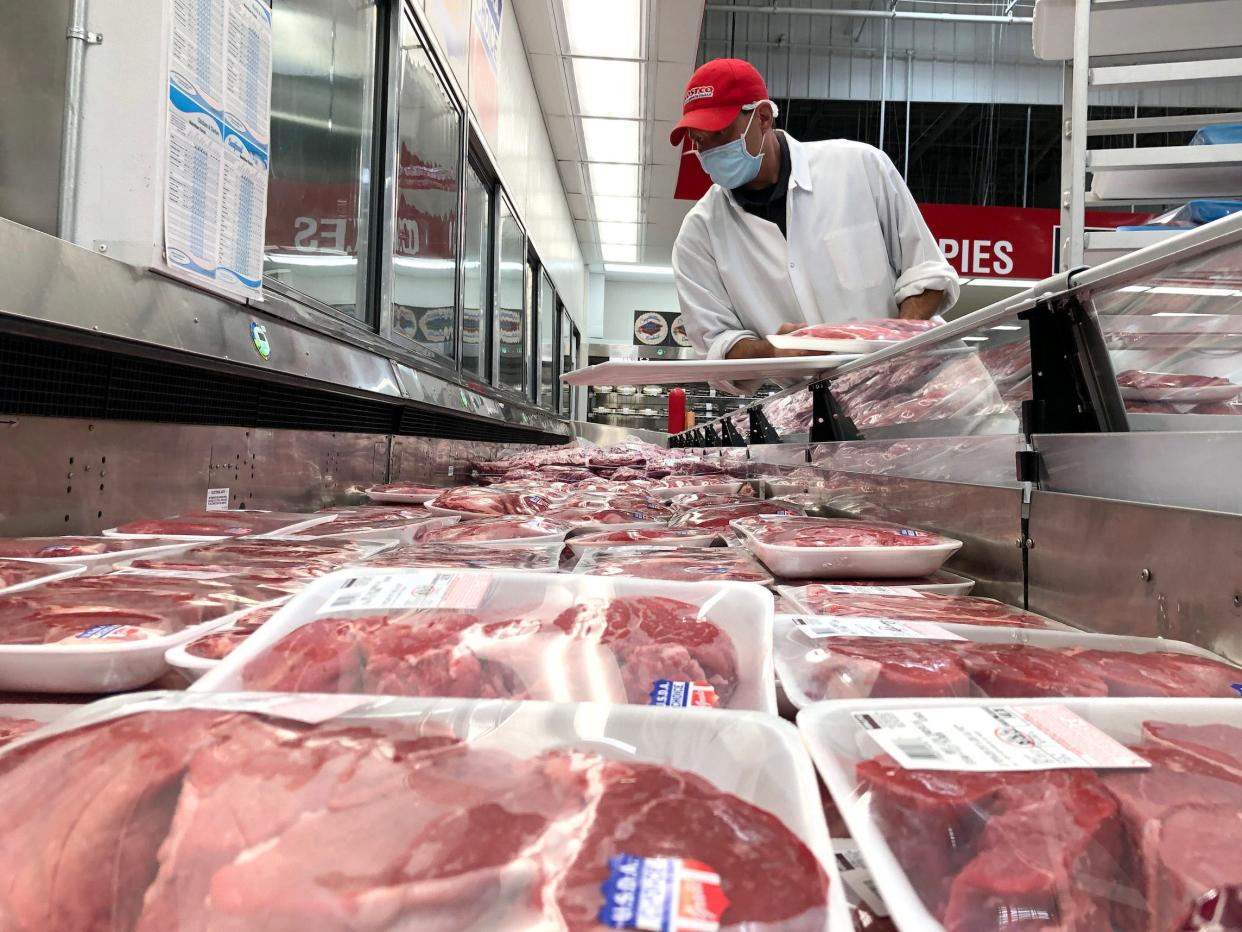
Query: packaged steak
213,524
87,551
643,537
676,564
480,634
94,634
1101,814
941,582
522,529
721,516
584,520
475,501
402,524
894,604
592,817
819,658
539,558
20,575
821,548
1173,387
688,501
716,484
859,336
196,657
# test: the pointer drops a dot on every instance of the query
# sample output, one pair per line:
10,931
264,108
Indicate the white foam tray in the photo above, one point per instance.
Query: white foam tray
755,756
823,563
837,744
401,498
311,521
680,371
102,562
741,610
1204,395
97,668
941,582
791,644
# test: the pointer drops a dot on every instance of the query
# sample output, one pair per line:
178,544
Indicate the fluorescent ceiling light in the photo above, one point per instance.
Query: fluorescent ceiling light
616,209
607,88
616,253
666,270
621,234
615,180
611,140
1006,327
604,28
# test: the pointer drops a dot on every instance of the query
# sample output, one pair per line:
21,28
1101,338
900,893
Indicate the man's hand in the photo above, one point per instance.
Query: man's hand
762,349
921,306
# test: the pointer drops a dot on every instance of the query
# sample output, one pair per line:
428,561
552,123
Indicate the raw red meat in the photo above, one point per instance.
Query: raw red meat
1150,407
16,572
209,819
57,548
835,532
923,606
407,488
372,518
875,668
987,851
1136,378
719,516
219,645
696,481
467,556
592,517
618,647
480,501
688,501
611,500
1161,673
215,524
13,728
654,536
1021,671
684,564
1218,748
888,330
495,529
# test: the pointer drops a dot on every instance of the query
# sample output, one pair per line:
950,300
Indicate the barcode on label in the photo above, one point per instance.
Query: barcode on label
916,750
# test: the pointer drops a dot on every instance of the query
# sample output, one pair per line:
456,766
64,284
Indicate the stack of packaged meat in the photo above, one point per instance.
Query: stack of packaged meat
911,605
679,564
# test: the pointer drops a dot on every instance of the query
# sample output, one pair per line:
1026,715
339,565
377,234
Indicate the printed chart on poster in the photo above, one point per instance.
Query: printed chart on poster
218,143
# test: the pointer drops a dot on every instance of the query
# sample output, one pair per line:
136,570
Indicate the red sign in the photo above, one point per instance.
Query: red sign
1005,242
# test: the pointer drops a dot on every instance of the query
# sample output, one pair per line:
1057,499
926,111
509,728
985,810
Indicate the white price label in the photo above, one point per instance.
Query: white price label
858,626
995,738
860,888
217,500
414,590
873,590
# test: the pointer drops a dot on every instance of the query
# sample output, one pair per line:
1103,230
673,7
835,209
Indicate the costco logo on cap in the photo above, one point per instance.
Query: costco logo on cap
715,95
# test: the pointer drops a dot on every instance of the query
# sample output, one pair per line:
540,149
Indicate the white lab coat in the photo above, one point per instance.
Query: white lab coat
856,247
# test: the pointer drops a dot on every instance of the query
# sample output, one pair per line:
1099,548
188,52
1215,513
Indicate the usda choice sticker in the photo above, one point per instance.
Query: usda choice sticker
683,694
662,895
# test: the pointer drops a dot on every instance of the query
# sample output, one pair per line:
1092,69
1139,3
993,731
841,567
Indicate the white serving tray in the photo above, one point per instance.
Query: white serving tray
741,610
837,744
679,371
823,563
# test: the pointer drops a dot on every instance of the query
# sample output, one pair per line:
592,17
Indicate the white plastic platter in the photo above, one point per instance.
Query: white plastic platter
838,744
742,610
678,371
823,563
1201,395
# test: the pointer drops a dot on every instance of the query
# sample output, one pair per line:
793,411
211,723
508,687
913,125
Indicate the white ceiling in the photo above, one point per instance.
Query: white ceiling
670,46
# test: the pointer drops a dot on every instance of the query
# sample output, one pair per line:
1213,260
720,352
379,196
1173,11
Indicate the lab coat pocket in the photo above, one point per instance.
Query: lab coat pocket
859,256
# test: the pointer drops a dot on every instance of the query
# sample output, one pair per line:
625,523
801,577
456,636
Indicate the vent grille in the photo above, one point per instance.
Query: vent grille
44,378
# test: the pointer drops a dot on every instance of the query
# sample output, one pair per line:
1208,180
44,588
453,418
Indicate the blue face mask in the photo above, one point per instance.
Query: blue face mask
730,165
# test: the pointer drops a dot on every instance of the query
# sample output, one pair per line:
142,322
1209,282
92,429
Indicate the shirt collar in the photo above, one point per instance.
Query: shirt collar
799,170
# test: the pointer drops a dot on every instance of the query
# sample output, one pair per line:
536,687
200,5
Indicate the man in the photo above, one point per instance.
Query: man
792,233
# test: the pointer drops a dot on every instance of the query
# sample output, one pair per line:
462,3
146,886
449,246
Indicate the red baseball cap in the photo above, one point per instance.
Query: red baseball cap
716,94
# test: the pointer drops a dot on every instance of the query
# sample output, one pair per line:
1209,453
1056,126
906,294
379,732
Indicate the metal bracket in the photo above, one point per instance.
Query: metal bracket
761,429
731,436
85,35
1028,463
711,438
828,422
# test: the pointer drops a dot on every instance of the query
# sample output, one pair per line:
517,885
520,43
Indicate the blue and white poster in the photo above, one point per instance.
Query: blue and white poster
218,143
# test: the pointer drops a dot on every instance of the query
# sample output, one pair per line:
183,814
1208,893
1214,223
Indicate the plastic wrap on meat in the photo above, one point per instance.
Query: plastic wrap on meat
790,414
60,548
688,501
494,529
13,728
407,488
106,609
719,516
367,519
622,500
220,820
694,482
489,502
888,330
1008,363
645,536
616,648
220,644
468,556
1136,378
876,668
215,524
835,532
685,564
963,388
19,572
922,606
592,517
1134,406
